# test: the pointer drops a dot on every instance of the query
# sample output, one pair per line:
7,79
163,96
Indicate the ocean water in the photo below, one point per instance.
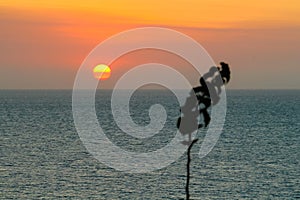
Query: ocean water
256,157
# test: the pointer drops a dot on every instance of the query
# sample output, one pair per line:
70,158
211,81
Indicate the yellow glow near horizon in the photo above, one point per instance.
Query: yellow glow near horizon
101,72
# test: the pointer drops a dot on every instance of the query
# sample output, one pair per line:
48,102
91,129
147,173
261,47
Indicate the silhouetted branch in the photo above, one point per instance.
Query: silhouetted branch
197,104
188,169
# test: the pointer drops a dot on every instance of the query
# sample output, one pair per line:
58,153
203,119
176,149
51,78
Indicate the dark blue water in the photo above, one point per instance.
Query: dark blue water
256,157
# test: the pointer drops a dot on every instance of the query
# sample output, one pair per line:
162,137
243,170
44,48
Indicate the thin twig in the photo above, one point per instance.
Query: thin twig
188,169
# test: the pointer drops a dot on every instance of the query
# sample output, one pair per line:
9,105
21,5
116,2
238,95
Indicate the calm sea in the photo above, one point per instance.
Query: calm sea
256,157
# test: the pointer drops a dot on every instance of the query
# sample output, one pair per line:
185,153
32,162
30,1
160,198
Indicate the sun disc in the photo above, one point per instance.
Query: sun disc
101,72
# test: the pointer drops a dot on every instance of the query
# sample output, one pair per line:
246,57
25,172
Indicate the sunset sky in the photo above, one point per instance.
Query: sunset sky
43,43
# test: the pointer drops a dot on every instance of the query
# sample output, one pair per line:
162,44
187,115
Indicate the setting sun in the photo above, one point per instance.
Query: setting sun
101,72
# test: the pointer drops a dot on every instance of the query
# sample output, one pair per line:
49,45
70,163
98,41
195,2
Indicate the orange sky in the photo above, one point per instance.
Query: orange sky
44,42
